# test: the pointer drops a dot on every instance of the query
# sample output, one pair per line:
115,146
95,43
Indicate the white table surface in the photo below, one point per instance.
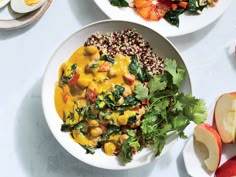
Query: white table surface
27,147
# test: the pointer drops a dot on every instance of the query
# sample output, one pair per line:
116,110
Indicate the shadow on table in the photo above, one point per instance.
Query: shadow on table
180,166
40,155
232,56
86,11
7,34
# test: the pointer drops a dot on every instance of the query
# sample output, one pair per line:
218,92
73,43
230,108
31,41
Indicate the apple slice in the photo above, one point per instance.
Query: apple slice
227,169
225,117
207,135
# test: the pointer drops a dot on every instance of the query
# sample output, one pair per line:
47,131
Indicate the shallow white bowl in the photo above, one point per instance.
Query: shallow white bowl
159,44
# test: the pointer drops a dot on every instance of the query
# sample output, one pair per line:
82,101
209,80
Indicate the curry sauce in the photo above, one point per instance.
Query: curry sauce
94,99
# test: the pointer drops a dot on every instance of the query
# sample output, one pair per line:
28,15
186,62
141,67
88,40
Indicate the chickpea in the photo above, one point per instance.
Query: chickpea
123,137
93,122
96,131
112,73
123,120
109,148
127,91
90,50
121,100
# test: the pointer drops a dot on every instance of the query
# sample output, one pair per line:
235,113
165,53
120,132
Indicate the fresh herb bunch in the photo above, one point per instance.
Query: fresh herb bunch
167,111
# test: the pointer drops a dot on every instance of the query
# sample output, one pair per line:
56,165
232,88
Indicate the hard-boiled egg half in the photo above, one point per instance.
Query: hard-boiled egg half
25,6
3,3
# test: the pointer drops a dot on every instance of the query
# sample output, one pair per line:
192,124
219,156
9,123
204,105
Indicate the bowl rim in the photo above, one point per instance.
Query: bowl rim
47,71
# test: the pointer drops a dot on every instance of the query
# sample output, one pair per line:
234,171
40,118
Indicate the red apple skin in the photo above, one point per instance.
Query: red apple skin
226,136
227,169
207,135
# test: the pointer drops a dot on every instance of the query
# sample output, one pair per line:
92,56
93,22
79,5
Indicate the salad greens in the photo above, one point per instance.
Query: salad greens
177,7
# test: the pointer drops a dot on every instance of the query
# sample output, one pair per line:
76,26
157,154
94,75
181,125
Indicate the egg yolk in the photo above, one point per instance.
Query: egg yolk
32,2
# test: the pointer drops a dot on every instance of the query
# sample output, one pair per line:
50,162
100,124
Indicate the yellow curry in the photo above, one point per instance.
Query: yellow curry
93,98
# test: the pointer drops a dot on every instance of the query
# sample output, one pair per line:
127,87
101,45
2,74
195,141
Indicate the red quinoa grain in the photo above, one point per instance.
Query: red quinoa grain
127,42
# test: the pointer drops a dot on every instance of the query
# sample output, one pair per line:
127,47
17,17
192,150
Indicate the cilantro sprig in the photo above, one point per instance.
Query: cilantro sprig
168,109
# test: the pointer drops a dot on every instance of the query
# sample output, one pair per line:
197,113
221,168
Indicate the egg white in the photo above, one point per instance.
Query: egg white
20,6
3,3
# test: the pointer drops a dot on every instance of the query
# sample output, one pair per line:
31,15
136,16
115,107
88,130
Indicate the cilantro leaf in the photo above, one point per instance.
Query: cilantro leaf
159,143
194,109
141,92
130,145
179,122
149,123
176,73
157,83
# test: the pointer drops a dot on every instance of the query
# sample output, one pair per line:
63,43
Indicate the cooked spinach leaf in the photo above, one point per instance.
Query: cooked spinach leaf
119,90
89,150
172,16
192,6
106,58
130,101
119,3
135,69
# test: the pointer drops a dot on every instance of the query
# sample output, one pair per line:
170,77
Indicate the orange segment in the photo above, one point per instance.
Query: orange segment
152,9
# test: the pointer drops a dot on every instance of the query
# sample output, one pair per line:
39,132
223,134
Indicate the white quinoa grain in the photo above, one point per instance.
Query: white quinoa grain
127,42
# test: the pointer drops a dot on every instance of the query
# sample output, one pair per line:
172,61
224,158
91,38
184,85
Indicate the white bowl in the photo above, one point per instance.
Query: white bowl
160,45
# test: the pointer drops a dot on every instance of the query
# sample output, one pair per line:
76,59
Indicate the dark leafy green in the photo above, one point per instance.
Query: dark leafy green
172,16
89,150
119,3
135,69
66,79
130,145
106,58
192,6
112,129
119,90
130,101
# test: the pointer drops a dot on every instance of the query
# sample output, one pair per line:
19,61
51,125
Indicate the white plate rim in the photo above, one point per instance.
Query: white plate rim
25,19
228,150
188,23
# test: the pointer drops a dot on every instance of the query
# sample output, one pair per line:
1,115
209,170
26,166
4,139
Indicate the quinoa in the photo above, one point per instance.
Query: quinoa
128,42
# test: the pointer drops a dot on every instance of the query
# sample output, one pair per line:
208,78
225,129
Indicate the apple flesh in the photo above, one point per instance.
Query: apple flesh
225,117
228,169
207,135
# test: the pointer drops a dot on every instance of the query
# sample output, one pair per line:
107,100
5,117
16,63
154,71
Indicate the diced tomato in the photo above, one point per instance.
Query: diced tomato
92,94
144,102
174,6
106,66
136,108
103,126
74,79
130,78
183,4
65,97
